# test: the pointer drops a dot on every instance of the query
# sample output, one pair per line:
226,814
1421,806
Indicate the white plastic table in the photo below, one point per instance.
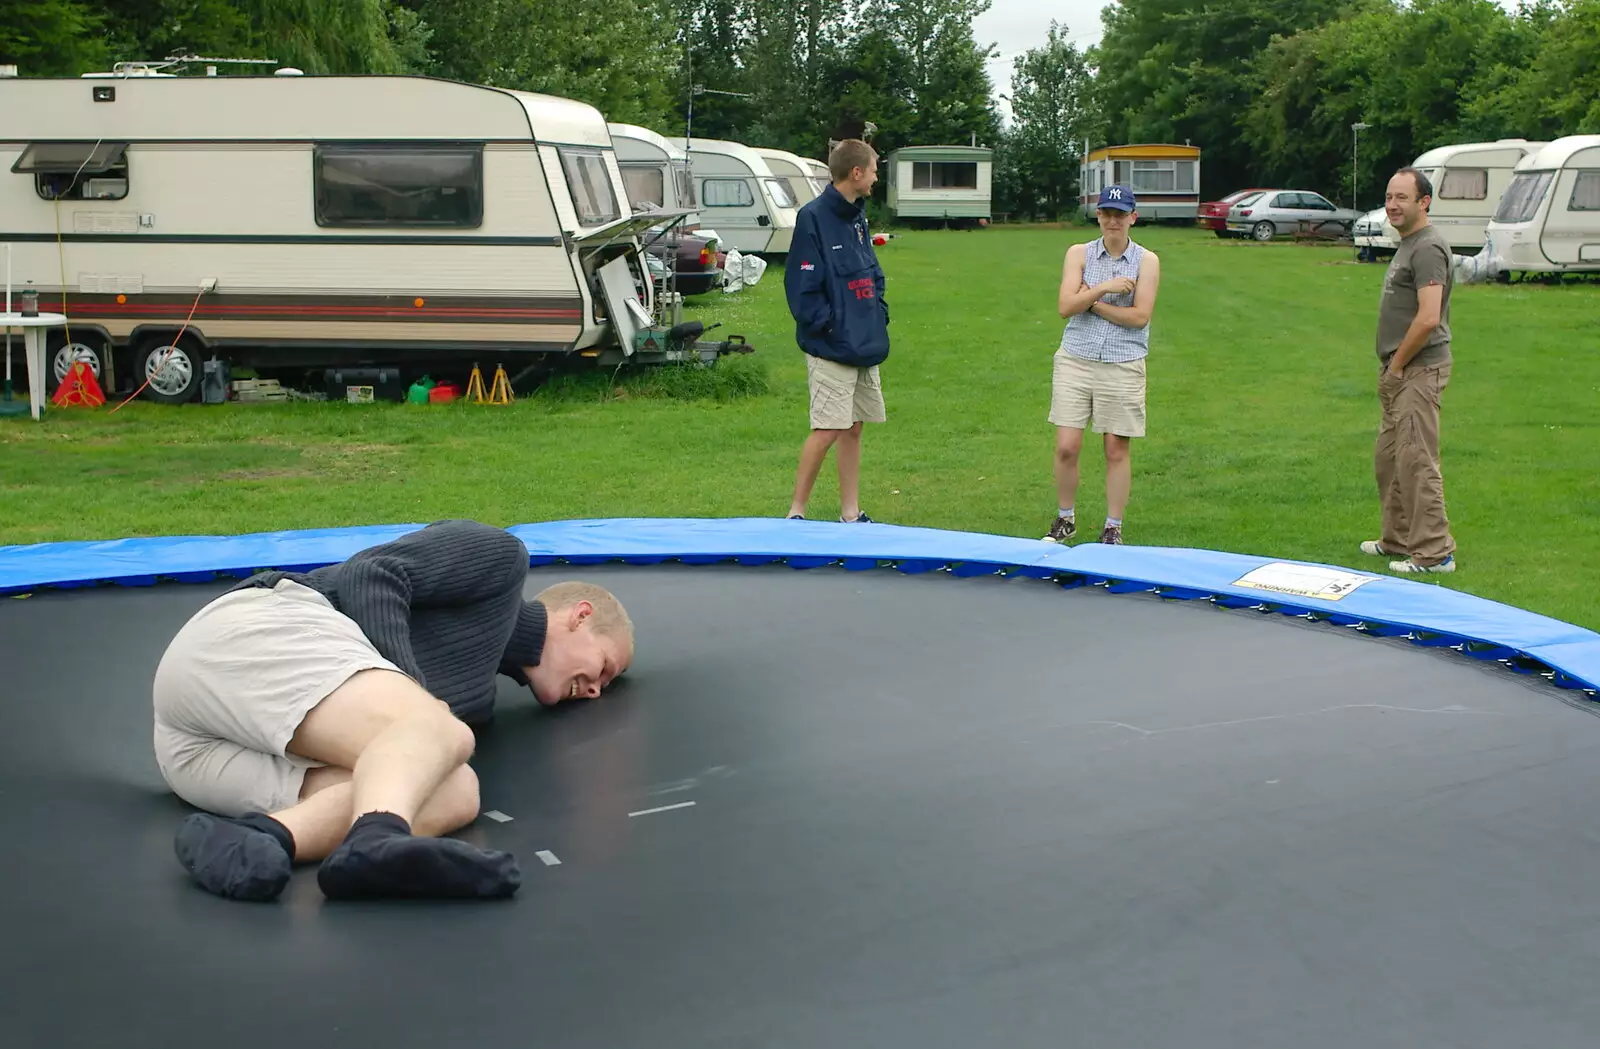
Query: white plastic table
33,349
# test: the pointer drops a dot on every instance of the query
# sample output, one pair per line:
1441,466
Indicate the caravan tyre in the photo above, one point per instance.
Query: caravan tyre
169,369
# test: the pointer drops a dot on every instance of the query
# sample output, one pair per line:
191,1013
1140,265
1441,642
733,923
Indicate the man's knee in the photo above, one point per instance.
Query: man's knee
457,801
1069,443
1118,448
339,728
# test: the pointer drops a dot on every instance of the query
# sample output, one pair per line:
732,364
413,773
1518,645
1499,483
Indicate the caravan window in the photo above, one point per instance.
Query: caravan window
1464,184
1155,176
1585,192
590,186
780,191
937,175
727,193
1523,197
645,185
76,170
399,185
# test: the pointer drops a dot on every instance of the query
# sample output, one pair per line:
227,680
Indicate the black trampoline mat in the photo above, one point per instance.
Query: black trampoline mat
926,812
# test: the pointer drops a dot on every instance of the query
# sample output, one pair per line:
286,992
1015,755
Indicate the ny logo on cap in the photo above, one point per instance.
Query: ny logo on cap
1114,193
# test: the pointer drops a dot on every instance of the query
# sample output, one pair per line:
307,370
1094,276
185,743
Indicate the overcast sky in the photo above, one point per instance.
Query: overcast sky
1013,26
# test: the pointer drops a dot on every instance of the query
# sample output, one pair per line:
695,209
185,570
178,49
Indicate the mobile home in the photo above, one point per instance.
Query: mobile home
802,177
940,182
1165,179
1468,180
290,222
655,172
752,208
1548,220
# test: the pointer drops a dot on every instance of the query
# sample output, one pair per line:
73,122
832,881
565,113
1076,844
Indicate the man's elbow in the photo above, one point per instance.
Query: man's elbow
1428,320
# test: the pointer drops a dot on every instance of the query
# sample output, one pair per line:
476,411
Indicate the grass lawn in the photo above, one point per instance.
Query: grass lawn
1262,412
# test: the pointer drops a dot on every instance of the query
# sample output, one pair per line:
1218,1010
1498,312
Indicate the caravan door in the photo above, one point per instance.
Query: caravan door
1570,234
616,275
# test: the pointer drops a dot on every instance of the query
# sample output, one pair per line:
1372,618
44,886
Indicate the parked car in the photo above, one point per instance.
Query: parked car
1278,211
1214,213
1374,237
699,262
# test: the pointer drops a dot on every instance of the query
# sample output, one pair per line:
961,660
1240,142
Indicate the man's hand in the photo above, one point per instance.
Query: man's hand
1118,286
1396,369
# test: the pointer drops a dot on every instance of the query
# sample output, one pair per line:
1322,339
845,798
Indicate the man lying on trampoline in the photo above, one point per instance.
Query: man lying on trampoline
326,715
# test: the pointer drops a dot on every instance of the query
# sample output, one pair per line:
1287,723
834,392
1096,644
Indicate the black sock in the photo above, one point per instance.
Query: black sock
379,858
249,858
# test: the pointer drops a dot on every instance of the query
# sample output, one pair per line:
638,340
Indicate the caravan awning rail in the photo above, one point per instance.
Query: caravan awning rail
70,158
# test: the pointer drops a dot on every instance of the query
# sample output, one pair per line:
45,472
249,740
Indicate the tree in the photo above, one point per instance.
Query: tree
1053,112
51,37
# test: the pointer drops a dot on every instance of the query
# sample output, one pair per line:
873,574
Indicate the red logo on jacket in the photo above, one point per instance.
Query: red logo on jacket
864,288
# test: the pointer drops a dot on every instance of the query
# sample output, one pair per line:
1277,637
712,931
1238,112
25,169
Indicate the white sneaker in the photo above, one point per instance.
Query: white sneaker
1409,566
1372,548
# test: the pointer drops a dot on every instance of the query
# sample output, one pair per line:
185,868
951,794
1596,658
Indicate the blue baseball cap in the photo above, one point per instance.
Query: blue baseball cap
1118,197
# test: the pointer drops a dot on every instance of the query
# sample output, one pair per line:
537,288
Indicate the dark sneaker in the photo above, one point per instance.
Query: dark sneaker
1061,529
1112,535
860,518
797,517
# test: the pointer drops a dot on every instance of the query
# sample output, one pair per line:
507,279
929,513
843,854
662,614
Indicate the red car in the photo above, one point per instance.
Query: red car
1214,213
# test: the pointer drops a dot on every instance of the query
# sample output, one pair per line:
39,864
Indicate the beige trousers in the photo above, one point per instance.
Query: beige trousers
1406,462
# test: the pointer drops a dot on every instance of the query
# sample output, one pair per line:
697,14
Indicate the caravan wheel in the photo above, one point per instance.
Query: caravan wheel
170,369
63,355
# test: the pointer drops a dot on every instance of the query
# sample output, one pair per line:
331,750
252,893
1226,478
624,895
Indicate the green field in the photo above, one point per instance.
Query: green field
1262,414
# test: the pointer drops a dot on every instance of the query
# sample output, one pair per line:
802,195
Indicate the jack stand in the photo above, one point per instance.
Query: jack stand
499,393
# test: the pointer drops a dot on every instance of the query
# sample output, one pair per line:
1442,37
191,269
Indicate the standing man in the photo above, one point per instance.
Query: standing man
1108,292
835,290
1414,360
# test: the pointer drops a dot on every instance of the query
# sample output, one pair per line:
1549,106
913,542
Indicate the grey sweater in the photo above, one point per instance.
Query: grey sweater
444,604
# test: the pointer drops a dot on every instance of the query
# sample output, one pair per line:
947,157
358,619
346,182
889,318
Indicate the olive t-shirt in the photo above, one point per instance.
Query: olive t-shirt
1423,258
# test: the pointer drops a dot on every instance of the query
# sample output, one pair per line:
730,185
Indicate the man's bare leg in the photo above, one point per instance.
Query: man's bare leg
401,745
847,455
323,817
1119,475
812,453
1069,445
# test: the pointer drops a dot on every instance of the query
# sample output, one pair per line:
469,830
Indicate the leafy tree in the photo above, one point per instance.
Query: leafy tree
51,37
1053,110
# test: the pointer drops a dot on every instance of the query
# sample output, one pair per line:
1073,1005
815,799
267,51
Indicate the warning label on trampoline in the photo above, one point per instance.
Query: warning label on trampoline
1327,584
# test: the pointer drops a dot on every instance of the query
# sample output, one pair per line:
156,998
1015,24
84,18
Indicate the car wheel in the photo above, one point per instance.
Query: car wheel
1263,231
171,370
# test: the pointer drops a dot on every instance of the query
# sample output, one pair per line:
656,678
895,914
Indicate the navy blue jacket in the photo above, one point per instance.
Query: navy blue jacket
835,285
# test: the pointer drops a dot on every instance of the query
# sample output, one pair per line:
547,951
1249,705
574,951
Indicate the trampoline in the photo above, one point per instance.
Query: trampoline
934,790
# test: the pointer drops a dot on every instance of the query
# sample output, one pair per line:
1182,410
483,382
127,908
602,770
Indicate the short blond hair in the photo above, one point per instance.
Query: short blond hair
848,155
609,619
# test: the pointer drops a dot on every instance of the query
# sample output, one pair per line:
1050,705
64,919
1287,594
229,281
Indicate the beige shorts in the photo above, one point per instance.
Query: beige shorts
234,685
1111,393
842,394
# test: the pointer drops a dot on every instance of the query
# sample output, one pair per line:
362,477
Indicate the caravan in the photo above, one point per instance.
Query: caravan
800,172
940,182
288,223
1548,220
1468,181
655,172
752,208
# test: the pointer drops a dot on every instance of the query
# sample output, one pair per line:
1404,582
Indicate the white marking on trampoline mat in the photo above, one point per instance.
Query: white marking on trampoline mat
498,816
548,857
663,808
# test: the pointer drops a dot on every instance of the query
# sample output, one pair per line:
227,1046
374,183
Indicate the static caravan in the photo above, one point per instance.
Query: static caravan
752,208
797,170
1165,179
1548,220
940,182
1468,180
289,223
655,172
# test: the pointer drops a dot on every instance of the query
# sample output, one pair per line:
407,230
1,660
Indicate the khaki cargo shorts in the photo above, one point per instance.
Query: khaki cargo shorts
842,394
1111,393
234,685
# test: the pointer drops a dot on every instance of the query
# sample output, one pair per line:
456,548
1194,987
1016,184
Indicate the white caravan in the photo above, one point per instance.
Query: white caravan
287,223
752,208
655,172
1468,181
1549,218
940,182
804,182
